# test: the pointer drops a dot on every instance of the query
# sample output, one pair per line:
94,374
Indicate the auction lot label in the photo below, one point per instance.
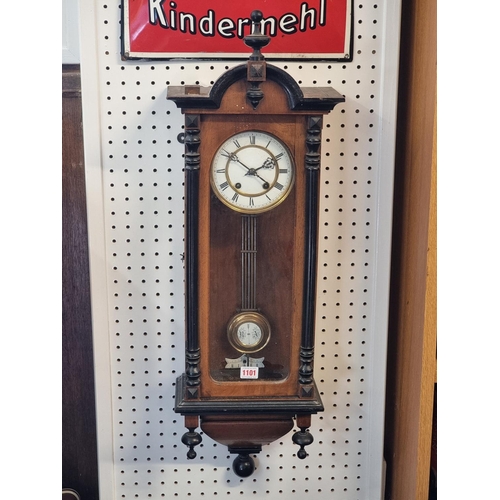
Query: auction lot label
201,29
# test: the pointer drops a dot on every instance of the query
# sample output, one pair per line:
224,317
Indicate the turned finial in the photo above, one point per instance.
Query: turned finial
256,40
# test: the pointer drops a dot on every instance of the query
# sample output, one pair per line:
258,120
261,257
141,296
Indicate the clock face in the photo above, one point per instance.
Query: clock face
248,332
252,172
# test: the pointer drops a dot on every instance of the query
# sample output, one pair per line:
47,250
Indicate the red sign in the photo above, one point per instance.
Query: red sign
166,29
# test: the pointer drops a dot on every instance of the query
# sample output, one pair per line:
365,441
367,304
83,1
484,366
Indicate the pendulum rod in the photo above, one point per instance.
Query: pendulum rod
248,262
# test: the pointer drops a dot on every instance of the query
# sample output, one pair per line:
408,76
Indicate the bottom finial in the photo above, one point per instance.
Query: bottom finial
243,465
191,439
302,438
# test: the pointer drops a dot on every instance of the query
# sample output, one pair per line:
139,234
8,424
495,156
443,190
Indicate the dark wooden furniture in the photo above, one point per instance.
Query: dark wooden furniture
79,445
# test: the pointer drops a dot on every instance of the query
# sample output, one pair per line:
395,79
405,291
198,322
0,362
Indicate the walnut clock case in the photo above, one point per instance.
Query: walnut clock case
252,166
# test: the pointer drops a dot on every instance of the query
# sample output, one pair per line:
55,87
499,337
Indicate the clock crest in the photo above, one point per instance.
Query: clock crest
252,165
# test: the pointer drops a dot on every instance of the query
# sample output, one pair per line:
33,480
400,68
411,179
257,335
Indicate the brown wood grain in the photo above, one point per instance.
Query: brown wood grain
79,445
412,332
246,430
280,247
279,266
274,101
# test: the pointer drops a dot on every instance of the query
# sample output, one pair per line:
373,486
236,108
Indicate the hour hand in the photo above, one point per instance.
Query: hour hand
268,164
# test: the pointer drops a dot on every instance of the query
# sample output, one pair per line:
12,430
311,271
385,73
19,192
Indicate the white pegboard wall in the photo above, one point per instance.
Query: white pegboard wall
135,191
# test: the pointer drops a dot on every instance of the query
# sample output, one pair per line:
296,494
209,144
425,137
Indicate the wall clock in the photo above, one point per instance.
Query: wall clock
252,165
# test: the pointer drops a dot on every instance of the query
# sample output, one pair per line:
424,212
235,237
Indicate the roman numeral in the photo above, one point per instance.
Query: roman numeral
250,202
221,170
236,143
224,186
279,156
283,170
252,139
235,197
278,186
226,154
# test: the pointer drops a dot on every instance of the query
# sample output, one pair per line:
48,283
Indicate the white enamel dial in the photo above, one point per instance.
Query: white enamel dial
252,172
249,333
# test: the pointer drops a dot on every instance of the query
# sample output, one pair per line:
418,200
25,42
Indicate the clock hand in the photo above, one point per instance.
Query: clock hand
269,163
251,171
234,157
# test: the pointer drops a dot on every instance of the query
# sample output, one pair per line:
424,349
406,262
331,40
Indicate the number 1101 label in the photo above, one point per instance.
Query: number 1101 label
249,372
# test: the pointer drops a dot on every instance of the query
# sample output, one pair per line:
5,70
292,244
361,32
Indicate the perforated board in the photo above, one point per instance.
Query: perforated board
134,169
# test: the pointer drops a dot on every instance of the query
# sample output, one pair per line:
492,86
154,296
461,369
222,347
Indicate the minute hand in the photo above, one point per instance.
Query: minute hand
234,157
251,171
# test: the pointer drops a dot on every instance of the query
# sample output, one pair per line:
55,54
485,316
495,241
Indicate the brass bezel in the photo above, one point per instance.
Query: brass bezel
248,317
278,201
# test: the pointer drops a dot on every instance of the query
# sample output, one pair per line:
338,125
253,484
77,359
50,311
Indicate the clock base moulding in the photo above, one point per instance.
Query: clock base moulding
245,425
